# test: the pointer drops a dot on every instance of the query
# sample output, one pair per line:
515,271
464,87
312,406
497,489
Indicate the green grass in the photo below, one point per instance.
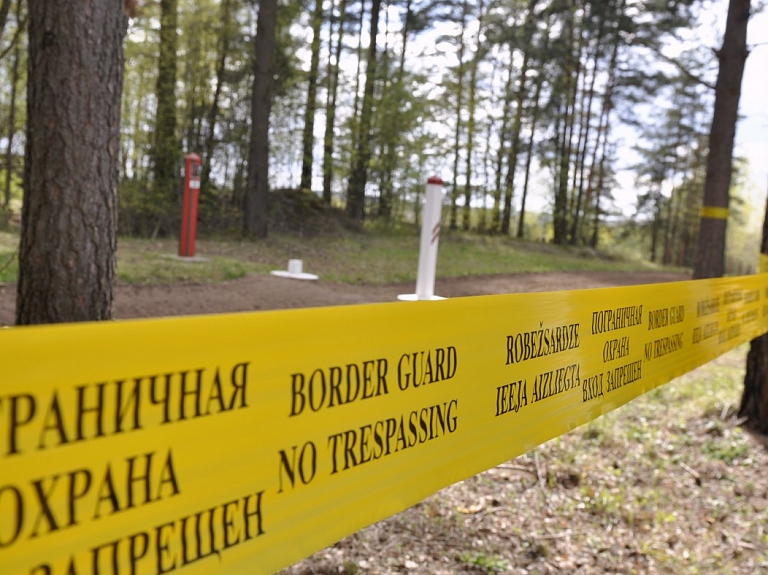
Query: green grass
148,262
378,256
9,263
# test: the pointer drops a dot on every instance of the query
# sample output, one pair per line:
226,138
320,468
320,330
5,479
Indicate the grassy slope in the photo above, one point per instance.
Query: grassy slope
369,258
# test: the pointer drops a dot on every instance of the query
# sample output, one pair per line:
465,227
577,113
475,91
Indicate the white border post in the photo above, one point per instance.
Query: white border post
430,234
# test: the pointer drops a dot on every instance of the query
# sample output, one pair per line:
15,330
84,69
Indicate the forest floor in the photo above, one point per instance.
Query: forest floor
264,292
667,484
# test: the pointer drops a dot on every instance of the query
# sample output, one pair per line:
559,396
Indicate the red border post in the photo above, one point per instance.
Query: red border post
191,198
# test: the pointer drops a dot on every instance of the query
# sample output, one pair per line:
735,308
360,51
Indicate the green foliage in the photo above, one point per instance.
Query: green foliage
9,261
479,561
744,224
415,111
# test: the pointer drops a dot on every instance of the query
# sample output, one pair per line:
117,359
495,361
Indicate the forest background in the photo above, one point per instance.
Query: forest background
574,122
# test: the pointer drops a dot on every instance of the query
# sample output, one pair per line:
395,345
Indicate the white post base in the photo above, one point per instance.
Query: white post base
415,297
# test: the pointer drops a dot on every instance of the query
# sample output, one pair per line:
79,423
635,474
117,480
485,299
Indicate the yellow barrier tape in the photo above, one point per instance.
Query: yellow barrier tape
763,264
714,213
242,443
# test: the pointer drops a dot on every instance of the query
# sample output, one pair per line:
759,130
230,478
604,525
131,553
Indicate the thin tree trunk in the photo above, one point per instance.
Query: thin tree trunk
358,74
534,122
309,114
257,188
656,225
465,222
710,252
213,111
529,155
586,125
560,215
166,146
5,9
602,136
514,150
11,122
362,152
459,106
497,196
394,126
330,111
754,399
599,188
487,168
69,216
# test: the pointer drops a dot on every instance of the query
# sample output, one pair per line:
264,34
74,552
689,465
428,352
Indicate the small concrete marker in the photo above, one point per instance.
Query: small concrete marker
295,271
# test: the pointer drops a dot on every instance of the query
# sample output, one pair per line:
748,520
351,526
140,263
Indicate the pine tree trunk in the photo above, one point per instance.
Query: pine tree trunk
586,125
453,218
5,9
534,121
754,399
308,138
599,187
330,109
497,195
393,126
465,221
362,153
560,215
529,155
69,217
514,149
213,111
602,136
257,188
166,148
710,252
11,124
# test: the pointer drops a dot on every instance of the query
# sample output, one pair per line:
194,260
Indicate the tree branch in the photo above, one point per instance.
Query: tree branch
683,69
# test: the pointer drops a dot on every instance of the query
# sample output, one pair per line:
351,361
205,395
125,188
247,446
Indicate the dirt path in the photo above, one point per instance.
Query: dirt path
263,292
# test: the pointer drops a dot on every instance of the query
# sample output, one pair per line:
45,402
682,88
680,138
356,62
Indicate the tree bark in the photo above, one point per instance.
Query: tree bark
166,145
330,109
213,111
570,87
500,154
362,152
472,105
754,399
584,134
514,149
5,9
308,138
257,188
710,252
11,122
529,155
69,217
459,106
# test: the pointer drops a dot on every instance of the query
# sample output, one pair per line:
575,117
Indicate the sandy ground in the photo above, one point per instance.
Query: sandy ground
263,292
